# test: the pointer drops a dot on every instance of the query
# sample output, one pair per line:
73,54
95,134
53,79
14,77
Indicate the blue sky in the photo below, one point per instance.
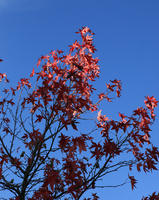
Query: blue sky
127,42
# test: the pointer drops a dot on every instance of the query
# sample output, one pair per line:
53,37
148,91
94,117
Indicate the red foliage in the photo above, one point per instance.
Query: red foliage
42,146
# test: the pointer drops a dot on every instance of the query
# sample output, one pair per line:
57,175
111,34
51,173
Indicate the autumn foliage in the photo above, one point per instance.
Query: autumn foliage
44,155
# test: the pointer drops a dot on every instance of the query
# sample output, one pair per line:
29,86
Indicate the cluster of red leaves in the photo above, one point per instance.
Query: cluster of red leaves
139,135
60,95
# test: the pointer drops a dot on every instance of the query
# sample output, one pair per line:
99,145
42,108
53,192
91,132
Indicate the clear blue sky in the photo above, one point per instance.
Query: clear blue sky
127,40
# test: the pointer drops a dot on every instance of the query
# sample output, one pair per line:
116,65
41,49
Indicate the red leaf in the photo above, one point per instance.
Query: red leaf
74,125
133,181
32,74
38,63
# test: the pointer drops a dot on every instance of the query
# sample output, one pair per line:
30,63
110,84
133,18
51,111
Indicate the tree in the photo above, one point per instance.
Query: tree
43,155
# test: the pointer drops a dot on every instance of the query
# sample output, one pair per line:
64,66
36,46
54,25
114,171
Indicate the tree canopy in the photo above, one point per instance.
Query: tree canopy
44,155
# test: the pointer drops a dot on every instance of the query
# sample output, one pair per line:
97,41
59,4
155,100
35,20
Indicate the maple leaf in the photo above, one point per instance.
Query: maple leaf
74,125
32,73
64,142
139,167
80,142
99,115
133,181
151,102
51,178
101,118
